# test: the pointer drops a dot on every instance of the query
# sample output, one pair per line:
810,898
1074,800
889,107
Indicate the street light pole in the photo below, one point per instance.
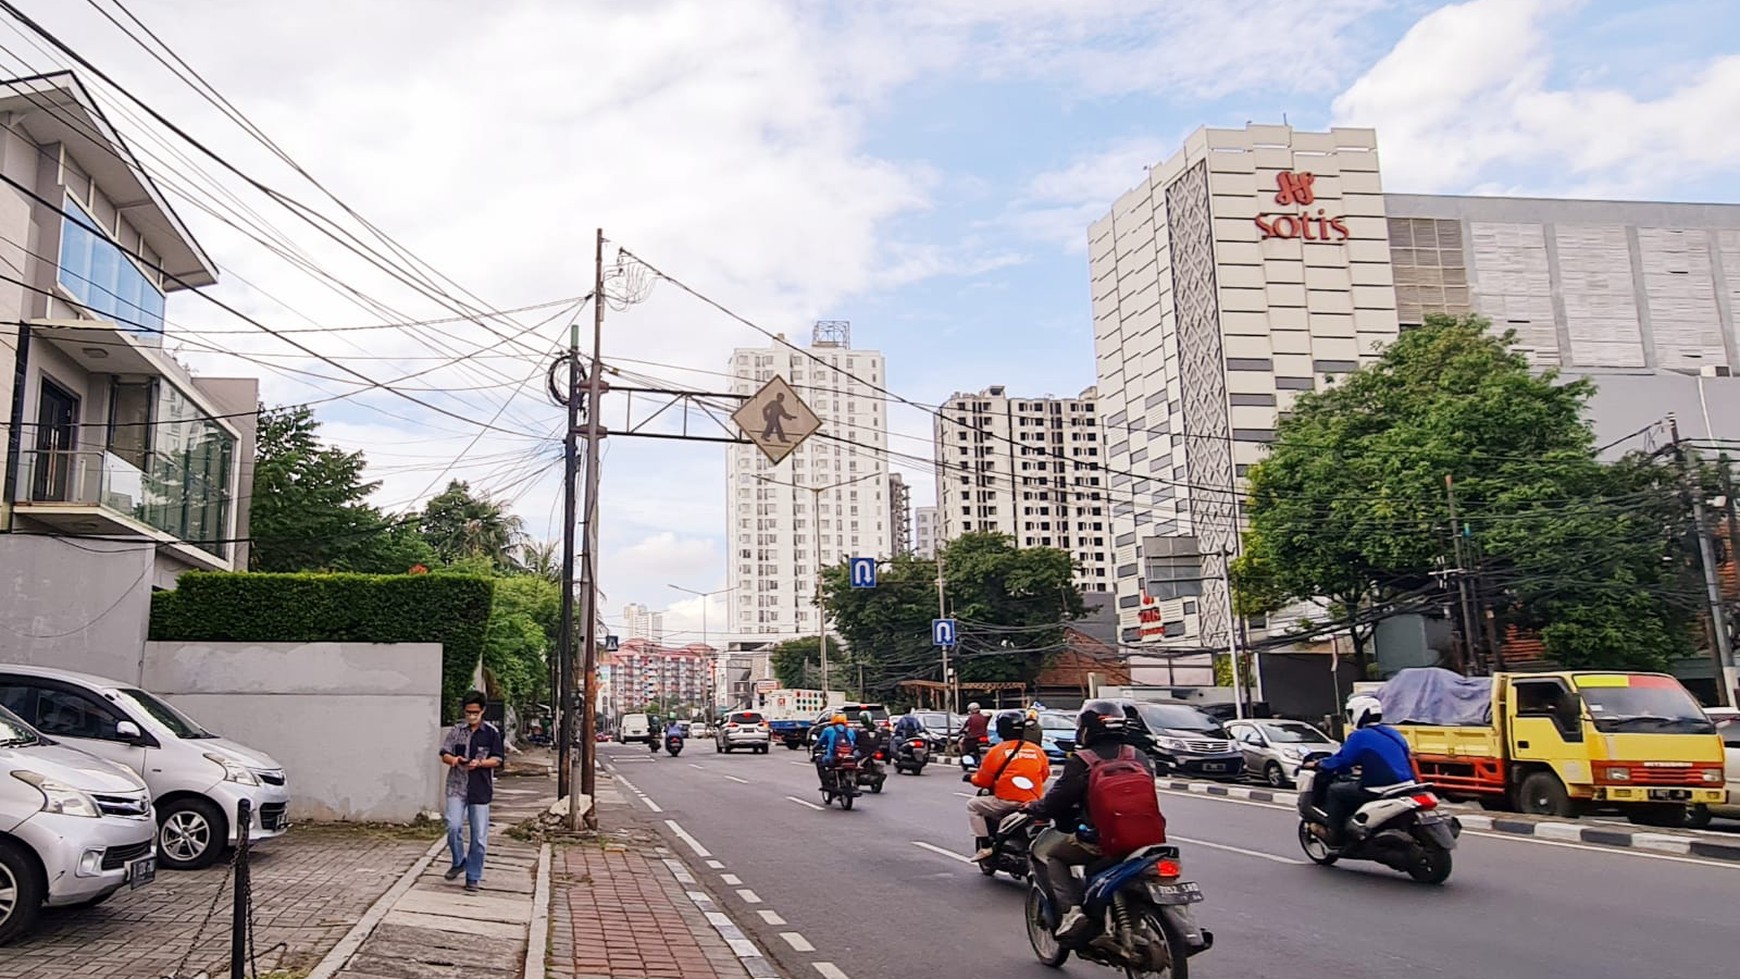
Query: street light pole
706,598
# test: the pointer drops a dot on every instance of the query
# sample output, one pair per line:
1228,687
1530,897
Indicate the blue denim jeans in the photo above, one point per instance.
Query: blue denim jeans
457,815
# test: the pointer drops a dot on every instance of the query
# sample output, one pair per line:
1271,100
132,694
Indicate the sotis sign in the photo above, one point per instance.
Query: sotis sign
1295,189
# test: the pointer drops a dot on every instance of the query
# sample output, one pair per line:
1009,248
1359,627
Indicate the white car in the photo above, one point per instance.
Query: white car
197,779
73,828
1277,749
1728,726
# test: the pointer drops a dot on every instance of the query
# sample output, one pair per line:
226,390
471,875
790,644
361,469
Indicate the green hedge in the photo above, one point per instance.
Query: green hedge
452,610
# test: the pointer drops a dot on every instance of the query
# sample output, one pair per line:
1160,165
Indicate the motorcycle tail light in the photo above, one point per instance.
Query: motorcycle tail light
1426,800
1168,867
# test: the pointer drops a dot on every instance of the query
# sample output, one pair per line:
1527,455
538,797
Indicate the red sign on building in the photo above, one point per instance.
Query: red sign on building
1295,189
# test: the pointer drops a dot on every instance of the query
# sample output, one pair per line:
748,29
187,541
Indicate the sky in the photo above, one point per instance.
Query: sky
925,169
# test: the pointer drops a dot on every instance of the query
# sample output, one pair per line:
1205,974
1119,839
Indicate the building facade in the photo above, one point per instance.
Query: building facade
644,675
924,531
899,515
1029,468
640,622
1261,262
827,501
121,470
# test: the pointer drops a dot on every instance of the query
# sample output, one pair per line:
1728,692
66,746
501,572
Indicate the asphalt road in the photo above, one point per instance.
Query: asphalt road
869,893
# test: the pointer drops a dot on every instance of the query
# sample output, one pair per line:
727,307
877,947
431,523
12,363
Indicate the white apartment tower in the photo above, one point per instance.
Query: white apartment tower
640,622
1029,468
899,514
827,501
924,531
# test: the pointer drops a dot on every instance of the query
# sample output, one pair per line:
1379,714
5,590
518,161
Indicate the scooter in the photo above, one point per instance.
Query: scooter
1010,840
1138,910
1403,829
673,745
911,755
871,773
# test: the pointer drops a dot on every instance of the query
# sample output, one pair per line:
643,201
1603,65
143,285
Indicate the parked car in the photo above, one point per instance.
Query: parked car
743,729
878,713
74,828
940,727
1183,740
1727,722
196,778
1276,749
1057,730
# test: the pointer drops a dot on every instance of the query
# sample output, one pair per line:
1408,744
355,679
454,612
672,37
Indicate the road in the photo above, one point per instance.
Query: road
884,890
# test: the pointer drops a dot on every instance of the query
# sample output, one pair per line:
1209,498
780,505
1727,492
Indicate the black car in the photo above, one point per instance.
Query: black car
1183,740
878,713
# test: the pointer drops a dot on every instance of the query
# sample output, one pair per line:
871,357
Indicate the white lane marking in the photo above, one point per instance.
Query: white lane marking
693,765
736,779
748,896
731,879
1505,837
1236,849
965,795
803,764
797,942
771,917
655,807
801,802
642,796
683,834
830,971
937,849
716,865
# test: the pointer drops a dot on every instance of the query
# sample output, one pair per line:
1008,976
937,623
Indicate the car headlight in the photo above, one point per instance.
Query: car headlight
1171,744
1712,775
234,771
1619,774
1293,753
59,797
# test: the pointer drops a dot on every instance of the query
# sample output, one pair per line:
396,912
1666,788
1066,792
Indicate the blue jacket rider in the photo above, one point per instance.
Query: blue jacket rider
1378,750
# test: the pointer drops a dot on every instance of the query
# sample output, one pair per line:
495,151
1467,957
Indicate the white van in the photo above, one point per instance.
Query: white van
633,727
196,778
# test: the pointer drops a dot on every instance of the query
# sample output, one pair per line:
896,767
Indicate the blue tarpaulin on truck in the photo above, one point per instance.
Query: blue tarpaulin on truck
1430,695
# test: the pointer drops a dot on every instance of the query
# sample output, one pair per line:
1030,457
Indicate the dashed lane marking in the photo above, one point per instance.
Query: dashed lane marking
797,942
952,855
683,834
801,802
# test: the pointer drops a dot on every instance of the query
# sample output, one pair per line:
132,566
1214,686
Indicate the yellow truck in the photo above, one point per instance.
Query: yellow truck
1559,743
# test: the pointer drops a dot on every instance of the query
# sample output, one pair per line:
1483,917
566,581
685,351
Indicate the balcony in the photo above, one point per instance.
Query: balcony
90,492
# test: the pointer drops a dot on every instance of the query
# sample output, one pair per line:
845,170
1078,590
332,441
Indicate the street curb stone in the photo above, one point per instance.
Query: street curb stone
1555,830
748,954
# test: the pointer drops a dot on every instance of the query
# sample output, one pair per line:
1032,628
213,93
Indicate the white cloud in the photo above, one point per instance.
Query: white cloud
1058,205
1466,97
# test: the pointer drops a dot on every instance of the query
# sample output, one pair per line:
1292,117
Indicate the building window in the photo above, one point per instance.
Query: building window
1251,400
99,275
1295,383
1249,364
1333,366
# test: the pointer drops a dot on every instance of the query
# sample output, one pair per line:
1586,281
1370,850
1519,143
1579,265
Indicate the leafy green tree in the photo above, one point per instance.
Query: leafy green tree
309,508
459,524
797,663
1350,509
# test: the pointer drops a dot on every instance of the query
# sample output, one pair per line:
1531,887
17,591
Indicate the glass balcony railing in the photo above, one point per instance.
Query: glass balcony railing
174,497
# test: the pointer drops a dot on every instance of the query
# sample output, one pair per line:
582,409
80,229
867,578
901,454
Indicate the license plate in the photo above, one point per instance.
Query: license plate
1428,818
276,821
1213,766
1671,795
1184,892
141,871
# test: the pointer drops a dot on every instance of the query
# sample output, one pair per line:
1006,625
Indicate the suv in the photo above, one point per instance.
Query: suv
1183,739
742,729
878,713
73,828
196,778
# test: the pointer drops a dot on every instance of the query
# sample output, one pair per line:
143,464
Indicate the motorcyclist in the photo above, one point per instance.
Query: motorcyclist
1100,730
973,731
1378,750
908,727
674,729
869,737
652,743
828,744
1011,759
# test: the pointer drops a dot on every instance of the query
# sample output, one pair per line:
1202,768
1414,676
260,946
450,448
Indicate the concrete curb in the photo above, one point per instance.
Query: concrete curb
340,955
748,954
1559,831
538,933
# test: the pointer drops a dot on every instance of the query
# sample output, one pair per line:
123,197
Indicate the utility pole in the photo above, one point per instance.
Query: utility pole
594,435
563,693
816,573
1232,642
1462,602
949,686
1730,682
1721,651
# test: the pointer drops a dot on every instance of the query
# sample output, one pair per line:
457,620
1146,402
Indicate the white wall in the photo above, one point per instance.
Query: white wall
355,725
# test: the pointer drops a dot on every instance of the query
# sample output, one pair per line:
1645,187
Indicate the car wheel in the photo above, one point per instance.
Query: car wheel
20,892
1542,794
1273,775
190,834
716,748
1697,817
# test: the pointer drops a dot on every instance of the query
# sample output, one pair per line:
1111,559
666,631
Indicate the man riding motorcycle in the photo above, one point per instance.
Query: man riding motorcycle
1100,732
1382,756
1009,759
973,731
828,744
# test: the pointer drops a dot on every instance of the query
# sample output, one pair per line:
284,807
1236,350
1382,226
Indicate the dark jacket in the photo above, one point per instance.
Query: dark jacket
976,727
1065,803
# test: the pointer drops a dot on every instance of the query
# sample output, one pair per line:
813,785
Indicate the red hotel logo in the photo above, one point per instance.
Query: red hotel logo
1295,188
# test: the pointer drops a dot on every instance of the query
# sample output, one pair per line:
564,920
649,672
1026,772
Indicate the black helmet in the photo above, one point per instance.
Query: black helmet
1009,725
867,719
1100,721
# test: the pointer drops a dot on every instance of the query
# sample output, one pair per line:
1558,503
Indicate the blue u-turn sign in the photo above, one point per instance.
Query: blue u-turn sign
942,632
863,572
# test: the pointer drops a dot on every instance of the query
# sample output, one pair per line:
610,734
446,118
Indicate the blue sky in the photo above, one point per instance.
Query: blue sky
923,168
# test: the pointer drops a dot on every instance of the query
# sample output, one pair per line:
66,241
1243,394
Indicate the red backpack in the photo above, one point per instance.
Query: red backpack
1122,803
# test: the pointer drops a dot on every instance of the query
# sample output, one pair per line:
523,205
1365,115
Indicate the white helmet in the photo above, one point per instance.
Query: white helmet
1364,709
972,707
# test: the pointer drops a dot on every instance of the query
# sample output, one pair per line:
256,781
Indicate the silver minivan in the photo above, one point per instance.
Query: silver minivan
196,778
74,829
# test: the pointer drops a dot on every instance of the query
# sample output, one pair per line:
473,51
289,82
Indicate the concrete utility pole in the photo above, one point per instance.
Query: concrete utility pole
566,730
1232,636
1467,615
1722,652
594,435
952,689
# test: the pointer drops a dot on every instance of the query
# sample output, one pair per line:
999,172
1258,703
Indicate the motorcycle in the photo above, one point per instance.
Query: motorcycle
871,773
911,755
673,745
1403,829
1139,914
1010,840
841,781
969,764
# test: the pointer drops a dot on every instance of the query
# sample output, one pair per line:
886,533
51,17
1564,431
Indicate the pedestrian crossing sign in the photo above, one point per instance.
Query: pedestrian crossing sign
776,420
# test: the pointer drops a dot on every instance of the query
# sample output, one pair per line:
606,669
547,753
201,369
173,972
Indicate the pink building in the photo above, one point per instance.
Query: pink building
643,672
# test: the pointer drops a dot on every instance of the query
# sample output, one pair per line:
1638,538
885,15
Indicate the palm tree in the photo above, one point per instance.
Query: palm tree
542,558
460,525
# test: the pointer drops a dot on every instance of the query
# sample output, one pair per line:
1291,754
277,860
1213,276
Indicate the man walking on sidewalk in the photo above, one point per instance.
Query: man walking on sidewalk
472,751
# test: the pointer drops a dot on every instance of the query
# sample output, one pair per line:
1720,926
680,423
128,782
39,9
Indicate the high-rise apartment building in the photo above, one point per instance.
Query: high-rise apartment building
1029,468
899,514
645,674
640,622
924,531
1257,263
826,502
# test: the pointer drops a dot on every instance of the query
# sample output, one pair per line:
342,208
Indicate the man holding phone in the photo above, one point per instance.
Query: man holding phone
472,751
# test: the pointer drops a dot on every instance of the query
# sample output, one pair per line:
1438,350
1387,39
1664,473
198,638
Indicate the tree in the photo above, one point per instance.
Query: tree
798,662
542,558
521,635
1350,509
460,525
309,511
1011,602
